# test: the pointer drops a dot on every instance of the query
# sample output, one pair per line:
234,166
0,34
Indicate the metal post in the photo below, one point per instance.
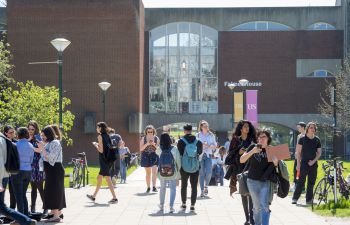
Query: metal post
104,106
60,61
233,113
334,140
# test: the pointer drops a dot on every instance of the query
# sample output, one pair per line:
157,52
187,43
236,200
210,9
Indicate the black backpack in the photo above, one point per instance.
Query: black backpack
12,160
112,149
283,186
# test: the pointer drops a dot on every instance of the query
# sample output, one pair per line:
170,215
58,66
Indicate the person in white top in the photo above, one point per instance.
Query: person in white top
209,145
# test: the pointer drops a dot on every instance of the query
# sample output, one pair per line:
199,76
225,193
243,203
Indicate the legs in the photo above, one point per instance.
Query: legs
33,195
304,170
12,196
259,194
20,183
162,192
205,172
123,168
148,176
184,182
98,185
172,186
311,179
110,185
194,184
154,175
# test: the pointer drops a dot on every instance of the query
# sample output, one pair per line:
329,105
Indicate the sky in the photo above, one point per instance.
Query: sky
232,3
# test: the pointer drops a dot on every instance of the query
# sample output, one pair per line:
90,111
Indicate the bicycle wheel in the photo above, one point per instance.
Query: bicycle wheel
76,176
320,193
80,176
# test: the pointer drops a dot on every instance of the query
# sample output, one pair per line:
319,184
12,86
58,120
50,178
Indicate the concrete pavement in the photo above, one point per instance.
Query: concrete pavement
135,207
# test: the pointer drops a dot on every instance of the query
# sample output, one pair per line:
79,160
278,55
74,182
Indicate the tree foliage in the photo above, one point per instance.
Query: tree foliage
342,84
5,66
27,101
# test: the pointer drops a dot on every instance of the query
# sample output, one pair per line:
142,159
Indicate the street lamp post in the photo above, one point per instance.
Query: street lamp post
334,103
104,86
60,44
232,87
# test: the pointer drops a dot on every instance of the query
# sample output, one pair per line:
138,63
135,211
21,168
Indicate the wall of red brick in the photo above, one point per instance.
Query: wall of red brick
270,57
107,44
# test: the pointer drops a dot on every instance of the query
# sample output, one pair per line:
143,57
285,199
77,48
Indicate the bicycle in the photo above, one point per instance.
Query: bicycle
324,191
80,168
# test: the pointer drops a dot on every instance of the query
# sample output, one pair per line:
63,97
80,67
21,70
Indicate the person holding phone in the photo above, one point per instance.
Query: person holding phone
243,136
259,171
149,159
37,179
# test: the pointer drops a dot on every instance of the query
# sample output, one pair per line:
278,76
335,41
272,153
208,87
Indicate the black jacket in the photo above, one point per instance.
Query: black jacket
190,139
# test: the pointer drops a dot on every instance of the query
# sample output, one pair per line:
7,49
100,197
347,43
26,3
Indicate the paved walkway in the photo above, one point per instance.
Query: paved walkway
135,207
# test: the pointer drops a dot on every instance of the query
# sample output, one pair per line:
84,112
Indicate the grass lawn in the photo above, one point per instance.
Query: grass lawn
342,207
93,172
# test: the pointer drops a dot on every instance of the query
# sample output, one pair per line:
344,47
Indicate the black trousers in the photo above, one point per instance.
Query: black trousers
295,171
248,208
194,183
311,173
12,196
35,187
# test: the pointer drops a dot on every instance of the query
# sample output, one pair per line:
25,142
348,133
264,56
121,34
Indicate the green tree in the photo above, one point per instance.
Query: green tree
342,84
5,66
27,101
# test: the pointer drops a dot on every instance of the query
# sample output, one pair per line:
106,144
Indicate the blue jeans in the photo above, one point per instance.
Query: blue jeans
20,184
219,174
10,213
123,168
259,191
172,185
205,171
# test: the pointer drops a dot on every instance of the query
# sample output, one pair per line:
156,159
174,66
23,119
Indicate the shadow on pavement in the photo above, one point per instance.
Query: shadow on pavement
97,205
142,194
179,213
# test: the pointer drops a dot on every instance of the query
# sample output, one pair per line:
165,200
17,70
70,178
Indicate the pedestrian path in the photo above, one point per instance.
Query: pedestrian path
135,207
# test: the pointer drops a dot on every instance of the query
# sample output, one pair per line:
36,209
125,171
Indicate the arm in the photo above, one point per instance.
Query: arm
199,147
181,147
142,145
318,155
244,158
99,147
298,155
55,150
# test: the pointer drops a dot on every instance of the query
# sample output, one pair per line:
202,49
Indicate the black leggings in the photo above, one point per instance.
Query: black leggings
35,187
184,182
248,208
12,196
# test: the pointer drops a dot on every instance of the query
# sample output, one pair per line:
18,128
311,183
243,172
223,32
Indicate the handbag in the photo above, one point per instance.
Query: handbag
242,183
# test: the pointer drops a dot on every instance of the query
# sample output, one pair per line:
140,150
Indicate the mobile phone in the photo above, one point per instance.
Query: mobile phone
38,137
258,145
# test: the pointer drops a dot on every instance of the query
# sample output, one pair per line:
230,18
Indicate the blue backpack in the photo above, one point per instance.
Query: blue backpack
166,167
190,161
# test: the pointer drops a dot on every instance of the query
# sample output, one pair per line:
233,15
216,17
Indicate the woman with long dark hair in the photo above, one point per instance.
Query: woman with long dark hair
242,138
37,179
105,166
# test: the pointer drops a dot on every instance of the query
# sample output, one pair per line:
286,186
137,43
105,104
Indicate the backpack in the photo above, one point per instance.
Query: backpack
283,180
112,150
12,160
166,167
190,161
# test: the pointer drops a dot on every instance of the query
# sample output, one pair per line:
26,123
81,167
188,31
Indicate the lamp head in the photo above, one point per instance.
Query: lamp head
243,82
60,44
104,85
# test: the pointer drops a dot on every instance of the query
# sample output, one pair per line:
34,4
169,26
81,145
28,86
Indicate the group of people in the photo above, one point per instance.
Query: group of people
192,159
40,157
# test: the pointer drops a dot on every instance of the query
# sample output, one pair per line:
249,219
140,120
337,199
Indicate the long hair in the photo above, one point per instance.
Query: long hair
34,124
57,132
251,134
103,126
6,129
202,122
165,141
49,133
150,127
308,127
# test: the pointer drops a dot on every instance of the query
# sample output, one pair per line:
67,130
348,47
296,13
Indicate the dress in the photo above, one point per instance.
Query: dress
105,167
149,157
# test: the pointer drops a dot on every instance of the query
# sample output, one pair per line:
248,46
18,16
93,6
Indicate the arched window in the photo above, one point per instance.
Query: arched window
321,26
261,26
320,73
183,69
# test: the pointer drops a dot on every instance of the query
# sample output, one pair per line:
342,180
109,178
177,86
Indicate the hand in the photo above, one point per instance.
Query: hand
2,189
275,160
311,162
241,151
257,150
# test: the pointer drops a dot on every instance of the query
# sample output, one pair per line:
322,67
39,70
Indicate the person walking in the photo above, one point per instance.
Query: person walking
114,172
105,166
20,181
18,217
54,193
149,159
37,178
301,129
209,145
168,170
308,152
10,133
190,149
259,173
124,154
243,136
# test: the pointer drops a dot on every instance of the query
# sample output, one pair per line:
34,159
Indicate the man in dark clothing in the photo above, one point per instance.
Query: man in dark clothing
116,167
308,152
185,175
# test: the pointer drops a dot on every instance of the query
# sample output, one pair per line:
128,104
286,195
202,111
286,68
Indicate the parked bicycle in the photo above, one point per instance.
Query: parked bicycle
324,191
80,171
